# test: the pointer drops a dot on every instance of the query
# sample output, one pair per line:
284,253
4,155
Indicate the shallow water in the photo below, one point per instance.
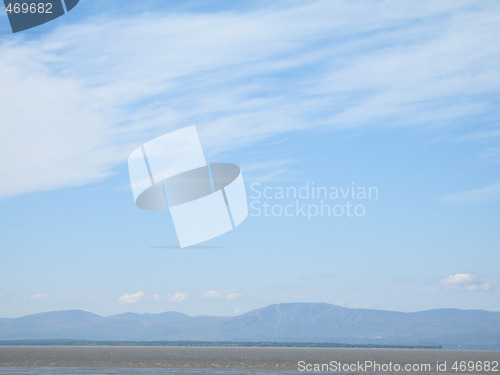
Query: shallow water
57,360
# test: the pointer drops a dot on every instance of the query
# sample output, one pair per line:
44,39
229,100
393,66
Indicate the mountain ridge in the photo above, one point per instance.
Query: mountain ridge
284,322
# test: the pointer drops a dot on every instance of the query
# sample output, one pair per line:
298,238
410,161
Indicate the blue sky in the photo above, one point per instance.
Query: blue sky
398,96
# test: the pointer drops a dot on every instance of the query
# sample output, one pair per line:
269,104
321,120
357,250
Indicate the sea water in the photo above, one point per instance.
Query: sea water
114,360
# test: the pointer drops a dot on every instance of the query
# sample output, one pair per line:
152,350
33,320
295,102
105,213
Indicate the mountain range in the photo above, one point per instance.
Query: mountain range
286,322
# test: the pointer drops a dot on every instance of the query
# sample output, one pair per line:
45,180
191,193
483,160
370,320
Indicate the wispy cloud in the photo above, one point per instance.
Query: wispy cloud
212,294
38,297
485,194
78,102
310,276
465,281
178,297
492,153
131,298
269,170
483,286
233,296
483,135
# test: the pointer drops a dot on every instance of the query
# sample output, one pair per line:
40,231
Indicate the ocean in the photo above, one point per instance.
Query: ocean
117,360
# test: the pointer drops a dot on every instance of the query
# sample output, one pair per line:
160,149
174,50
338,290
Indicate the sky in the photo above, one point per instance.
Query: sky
400,99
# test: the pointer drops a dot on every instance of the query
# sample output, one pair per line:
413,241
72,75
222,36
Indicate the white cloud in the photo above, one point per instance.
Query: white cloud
485,194
131,298
474,287
38,297
233,296
77,102
466,281
157,297
459,278
178,297
212,294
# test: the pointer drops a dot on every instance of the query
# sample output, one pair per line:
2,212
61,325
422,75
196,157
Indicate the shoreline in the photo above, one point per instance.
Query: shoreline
228,344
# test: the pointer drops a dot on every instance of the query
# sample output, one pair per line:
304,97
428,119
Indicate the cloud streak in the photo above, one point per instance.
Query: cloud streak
38,297
78,102
490,193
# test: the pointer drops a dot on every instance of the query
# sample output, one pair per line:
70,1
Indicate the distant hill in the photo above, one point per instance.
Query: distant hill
287,322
